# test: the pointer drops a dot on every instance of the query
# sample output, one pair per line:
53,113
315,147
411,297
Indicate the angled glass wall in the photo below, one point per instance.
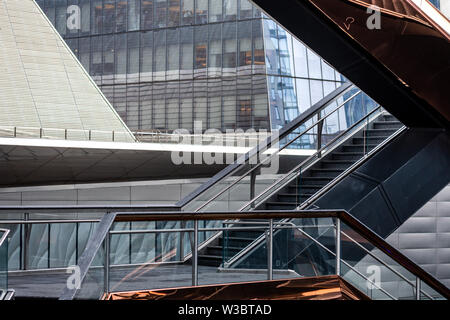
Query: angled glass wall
297,77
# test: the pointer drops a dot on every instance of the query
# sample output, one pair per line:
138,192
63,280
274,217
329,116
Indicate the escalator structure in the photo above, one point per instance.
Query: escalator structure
373,168
303,187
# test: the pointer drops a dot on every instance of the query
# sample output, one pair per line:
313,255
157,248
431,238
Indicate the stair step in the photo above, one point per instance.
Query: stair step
369,140
353,156
228,248
380,131
316,180
336,164
280,205
389,117
387,124
209,260
218,250
306,188
236,242
324,172
358,148
292,197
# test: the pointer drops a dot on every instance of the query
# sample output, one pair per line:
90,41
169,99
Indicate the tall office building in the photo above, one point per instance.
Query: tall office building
164,64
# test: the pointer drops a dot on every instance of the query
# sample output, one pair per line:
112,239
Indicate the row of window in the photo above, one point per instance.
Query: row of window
73,18
215,50
226,103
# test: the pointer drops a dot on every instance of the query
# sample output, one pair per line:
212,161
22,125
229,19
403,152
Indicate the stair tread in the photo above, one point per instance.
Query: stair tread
239,238
281,203
372,137
209,256
228,247
337,161
359,145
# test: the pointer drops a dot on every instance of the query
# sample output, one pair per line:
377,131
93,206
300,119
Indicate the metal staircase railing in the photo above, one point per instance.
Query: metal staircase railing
346,229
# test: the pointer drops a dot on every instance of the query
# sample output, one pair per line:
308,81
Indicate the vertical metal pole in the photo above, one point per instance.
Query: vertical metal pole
252,187
319,134
107,261
270,251
338,246
181,241
195,256
26,239
418,288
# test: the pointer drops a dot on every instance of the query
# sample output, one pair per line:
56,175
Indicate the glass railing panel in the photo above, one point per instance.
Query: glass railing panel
155,255
85,231
62,245
363,283
301,247
305,249
14,245
237,235
380,270
428,293
143,246
3,261
120,244
93,285
36,237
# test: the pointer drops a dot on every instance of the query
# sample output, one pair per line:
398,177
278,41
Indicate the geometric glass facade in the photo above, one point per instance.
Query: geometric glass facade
436,3
164,64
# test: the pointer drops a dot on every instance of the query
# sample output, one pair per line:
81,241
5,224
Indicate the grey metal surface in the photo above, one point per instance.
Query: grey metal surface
425,237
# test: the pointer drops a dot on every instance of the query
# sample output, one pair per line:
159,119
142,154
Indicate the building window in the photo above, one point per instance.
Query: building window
146,14
188,12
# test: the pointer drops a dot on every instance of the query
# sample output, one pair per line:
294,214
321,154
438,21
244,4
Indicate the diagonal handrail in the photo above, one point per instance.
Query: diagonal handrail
266,144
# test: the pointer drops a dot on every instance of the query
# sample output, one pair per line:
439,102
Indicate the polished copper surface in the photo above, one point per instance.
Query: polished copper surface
408,43
311,288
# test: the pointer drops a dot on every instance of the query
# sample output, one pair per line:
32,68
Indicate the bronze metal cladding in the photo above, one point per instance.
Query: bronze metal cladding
409,44
311,288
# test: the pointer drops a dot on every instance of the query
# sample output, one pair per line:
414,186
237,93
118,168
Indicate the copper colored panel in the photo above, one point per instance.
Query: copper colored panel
312,288
408,43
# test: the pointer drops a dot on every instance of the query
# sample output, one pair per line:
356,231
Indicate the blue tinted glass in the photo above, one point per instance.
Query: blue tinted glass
271,46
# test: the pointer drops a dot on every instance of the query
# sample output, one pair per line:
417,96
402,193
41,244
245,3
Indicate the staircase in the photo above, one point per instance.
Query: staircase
300,190
333,165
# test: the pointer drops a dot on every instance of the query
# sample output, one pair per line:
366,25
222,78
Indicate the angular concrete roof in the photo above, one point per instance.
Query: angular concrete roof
42,84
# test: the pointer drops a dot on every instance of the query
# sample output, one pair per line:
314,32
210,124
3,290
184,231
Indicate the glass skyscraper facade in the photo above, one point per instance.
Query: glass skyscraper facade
164,64
436,3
